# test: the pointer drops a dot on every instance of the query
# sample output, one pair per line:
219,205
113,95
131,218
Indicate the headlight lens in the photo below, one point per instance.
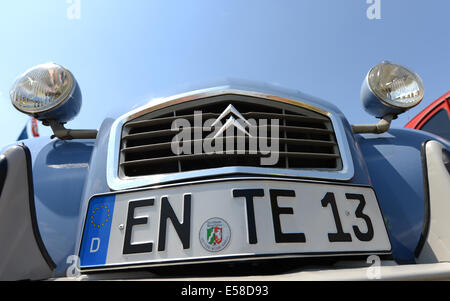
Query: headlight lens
42,88
396,85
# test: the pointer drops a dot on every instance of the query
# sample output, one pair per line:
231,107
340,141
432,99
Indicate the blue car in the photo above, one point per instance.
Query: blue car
248,178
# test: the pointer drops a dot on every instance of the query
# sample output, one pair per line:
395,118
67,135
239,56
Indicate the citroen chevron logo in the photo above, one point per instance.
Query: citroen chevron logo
231,121
202,138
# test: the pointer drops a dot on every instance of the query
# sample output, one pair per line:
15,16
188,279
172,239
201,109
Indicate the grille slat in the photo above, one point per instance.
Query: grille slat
152,134
168,145
259,115
171,133
289,117
306,139
216,155
166,120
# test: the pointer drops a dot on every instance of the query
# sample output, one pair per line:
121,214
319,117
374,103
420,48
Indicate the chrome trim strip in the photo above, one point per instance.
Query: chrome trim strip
116,183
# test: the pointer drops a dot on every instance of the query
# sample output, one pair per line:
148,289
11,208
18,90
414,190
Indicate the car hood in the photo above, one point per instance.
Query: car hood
226,84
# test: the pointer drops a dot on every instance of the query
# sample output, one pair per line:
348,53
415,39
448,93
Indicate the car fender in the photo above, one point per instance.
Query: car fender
394,161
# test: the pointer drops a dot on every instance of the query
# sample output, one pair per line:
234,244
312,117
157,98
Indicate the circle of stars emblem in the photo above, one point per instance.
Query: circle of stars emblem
101,209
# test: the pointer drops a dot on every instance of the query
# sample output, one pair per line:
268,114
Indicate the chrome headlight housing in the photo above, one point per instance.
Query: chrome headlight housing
391,89
47,92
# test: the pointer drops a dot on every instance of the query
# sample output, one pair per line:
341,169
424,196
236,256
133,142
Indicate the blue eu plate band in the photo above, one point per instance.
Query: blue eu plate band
94,246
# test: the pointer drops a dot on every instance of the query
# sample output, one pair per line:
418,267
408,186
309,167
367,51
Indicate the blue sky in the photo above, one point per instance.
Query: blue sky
127,51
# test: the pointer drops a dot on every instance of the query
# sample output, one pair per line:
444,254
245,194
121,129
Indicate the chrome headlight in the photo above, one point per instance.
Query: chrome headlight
391,89
47,92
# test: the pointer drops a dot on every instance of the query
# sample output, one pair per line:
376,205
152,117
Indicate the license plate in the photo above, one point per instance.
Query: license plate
231,220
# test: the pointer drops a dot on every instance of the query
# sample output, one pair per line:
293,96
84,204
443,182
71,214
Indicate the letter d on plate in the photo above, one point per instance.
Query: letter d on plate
95,245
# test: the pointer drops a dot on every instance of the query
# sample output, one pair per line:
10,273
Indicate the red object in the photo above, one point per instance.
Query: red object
441,103
34,127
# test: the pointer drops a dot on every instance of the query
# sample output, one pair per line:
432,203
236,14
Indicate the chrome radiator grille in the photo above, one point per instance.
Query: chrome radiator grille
306,139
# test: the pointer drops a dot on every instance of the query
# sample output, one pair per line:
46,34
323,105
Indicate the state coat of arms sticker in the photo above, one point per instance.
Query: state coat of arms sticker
215,234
